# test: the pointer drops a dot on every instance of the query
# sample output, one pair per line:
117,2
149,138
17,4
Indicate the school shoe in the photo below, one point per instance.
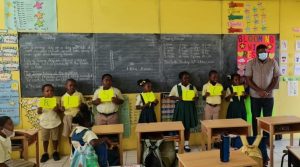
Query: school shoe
45,157
216,145
176,149
56,156
187,148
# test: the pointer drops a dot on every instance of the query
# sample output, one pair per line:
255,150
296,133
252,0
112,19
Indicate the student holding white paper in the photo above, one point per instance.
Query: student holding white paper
146,102
186,96
236,95
212,94
107,100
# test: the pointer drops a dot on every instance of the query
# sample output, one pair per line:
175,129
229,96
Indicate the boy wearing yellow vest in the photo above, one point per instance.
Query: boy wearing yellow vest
70,103
107,100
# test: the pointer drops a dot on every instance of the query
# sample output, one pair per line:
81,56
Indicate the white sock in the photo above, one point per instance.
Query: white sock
186,143
176,144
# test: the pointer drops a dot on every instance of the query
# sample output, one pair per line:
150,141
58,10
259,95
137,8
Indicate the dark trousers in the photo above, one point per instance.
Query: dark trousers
257,105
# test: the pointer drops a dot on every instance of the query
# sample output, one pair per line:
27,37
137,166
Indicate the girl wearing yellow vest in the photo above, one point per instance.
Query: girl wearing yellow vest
146,102
185,95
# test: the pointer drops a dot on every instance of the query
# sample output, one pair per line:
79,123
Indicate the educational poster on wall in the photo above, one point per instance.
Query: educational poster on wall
297,70
297,45
297,57
246,17
283,45
283,69
31,15
283,57
9,76
292,88
247,48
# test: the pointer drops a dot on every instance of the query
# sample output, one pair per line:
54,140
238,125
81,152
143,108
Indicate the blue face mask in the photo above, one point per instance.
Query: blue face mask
262,56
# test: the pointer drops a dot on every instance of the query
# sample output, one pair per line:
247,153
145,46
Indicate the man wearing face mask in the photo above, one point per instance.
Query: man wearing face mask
6,132
262,76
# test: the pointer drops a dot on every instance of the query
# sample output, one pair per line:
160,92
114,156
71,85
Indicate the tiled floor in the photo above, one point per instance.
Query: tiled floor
130,156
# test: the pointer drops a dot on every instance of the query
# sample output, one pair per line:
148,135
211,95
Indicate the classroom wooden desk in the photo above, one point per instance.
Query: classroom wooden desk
294,156
111,130
219,126
158,127
29,137
212,158
278,125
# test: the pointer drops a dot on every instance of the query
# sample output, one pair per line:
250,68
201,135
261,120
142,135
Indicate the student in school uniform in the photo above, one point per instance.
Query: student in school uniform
146,102
6,132
185,110
107,100
70,110
212,107
49,122
236,108
83,134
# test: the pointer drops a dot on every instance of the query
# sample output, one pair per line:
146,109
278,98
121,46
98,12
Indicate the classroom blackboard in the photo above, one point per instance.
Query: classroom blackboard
53,58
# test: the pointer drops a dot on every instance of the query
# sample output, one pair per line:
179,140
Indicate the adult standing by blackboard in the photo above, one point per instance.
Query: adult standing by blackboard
262,75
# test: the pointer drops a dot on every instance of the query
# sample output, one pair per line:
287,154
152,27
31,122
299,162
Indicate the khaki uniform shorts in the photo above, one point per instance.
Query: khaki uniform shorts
67,128
48,134
103,119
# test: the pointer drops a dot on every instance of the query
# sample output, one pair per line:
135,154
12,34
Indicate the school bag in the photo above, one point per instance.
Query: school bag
114,156
236,142
84,156
168,154
252,150
151,154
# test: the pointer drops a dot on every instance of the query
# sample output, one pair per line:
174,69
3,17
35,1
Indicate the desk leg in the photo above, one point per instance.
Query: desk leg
121,148
138,148
209,135
289,159
25,148
181,142
291,139
258,128
202,136
37,149
180,164
271,146
249,130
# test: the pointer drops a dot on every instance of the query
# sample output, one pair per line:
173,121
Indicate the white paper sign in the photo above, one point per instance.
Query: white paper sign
292,88
283,57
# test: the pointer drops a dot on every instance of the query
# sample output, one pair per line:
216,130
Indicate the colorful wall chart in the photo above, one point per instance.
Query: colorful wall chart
9,76
31,15
246,17
247,48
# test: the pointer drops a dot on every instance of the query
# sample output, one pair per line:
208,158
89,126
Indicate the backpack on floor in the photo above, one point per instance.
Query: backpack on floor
114,156
85,155
168,153
252,150
151,154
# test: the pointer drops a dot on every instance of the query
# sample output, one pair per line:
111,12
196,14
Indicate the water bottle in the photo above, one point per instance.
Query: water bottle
225,148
